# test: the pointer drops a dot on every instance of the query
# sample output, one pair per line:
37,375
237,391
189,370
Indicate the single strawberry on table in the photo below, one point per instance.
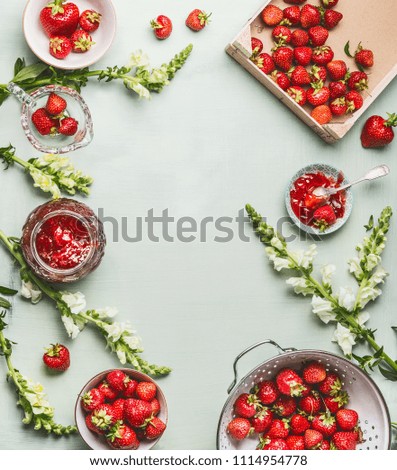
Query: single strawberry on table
324,217
239,428
322,114
57,357
92,399
364,57
90,20
55,105
81,41
197,20
60,18
155,428
272,15
162,27
378,131
122,436
60,47
68,126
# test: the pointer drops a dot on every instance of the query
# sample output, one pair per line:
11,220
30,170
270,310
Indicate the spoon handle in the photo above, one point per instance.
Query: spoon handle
20,94
377,172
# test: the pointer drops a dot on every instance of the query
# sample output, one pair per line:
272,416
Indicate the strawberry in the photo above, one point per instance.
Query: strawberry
337,70
267,443
312,201
331,385
57,357
282,35
300,76
92,399
117,380
325,445
299,424
314,373
318,73
154,428
310,16
81,41
318,94
278,429
344,441
59,18
303,55
155,404
44,123
347,419
268,392
281,79
337,89
378,132
239,428
322,55
306,390
272,15
325,423
300,38
56,105
146,391
358,81
295,442
257,46
324,217
265,62
329,3
283,58
292,15
284,406
60,47
130,387
313,439
322,114
334,403
354,101
118,407
311,404
332,18
287,380
90,20
104,417
109,393
246,405
122,437
364,57
90,425
295,2
197,20
318,36
261,421
68,126
162,27
137,411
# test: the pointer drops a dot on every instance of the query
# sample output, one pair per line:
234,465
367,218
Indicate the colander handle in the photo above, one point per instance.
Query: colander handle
254,346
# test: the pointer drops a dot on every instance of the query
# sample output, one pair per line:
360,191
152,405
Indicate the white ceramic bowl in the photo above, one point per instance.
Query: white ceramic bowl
39,42
96,442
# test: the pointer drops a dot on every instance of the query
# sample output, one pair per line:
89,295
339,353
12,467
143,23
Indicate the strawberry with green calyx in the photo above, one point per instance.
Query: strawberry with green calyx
298,94
378,131
354,101
289,383
281,79
325,423
60,47
60,18
146,391
154,428
117,380
331,18
284,406
57,357
81,41
92,399
336,402
347,419
313,439
121,436
197,20
344,441
281,35
318,73
310,405
331,385
329,3
265,63
322,55
268,443
247,405
68,126
90,20
318,94
162,27
44,123
279,429
314,373
137,411
256,46
338,107
239,428
292,16
108,392
358,81
104,417
261,421
324,217
364,57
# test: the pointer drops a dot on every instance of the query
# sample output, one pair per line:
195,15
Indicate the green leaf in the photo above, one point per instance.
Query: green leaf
31,72
19,65
388,374
379,353
347,50
370,224
4,303
7,291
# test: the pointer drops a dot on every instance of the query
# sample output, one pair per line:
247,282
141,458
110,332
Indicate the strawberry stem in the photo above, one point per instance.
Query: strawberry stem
392,121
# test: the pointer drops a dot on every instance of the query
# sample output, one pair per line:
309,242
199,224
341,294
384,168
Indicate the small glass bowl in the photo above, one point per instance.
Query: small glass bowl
76,108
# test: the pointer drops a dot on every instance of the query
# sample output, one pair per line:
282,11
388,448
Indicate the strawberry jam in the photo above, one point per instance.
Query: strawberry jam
304,203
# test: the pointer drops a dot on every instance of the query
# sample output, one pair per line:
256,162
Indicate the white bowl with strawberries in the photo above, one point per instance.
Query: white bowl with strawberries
69,34
121,409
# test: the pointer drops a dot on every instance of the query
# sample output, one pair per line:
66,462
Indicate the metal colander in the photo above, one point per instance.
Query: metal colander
365,396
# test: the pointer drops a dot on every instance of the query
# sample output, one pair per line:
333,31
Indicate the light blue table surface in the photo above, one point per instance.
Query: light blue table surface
212,141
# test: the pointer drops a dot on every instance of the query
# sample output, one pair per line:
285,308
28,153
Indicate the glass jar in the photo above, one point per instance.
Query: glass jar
63,240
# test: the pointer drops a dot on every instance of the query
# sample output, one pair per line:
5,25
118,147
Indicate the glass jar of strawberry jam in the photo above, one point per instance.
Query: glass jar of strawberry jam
63,240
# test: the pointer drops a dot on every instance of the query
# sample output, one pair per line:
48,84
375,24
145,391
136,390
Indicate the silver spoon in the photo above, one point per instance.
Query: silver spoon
377,172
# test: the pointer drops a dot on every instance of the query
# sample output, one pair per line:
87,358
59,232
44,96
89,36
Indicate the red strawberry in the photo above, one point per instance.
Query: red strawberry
122,437
364,57
197,20
347,419
300,38
257,46
68,126
268,392
59,18
281,79
306,390
344,441
239,428
287,380
295,2
378,132
292,15
338,107
81,41
57,357
337,89
130,387
325,423
272,15
267,443
318,94
162,27
322,114
313,439
324,217
314,373
60,47
331,385
318,73
285,406
332,18
337,70
92,399
109,393
118,407
322,55
154,428
265,62
334,403
310,16
246,405
318,36
329,3
146,391
354,101
325,445
137,411
303,55
155,404
104,417
117,380
56,105
282,35
358,81
90,20
311,405
299,424
298,94
90,425
295,442
283,57
278,429
300,76
261,421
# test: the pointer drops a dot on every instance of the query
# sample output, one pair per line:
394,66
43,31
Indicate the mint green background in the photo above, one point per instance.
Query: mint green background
212,141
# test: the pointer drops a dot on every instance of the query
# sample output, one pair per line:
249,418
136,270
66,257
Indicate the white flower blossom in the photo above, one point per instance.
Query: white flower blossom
139,59
323,309
367,294
71,328
362,318
378,277
121,356
346,298
116,330
304,258
271,253
76,302
300,285
45,183
30,291
159,76
372,261
107,312
327,272
345,338
36,397
281,263
67,182
355,267
276,242
133,341
140,90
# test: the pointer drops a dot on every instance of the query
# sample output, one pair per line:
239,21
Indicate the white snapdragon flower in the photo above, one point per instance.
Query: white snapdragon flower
159,76
346,298
378,277
76,302
367,294
323,309
67,182
45,183
300,285
345,338
355,267
327,272
116,330
304,258
121,356
36,397
107,312
139,59
31,292
134,342
276,243
372,261
362,318
280,264
71,328
140,90
271,253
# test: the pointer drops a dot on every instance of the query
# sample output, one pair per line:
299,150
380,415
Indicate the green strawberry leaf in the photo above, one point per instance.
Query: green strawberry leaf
30,73
19,65
388,374
7,291
347,50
